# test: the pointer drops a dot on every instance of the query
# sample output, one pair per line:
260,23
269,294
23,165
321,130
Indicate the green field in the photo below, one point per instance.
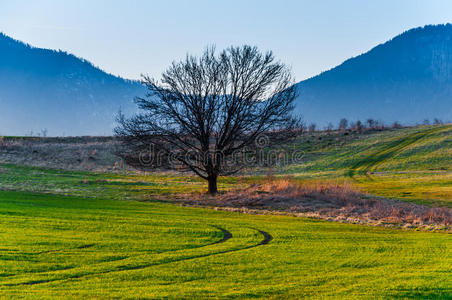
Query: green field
68,246
413,164
80,234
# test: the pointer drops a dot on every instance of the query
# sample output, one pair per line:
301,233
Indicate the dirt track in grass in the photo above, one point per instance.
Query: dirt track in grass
371,162
227,235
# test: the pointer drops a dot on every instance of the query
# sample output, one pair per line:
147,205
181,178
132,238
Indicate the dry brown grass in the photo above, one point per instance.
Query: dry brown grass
329,200
77,153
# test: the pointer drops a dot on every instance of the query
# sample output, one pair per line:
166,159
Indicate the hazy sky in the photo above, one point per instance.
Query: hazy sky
128,38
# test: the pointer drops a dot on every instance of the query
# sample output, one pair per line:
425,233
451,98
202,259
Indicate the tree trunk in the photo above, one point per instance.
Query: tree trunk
212,185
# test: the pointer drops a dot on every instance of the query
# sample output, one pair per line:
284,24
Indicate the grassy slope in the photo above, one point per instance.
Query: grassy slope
109,185
414,148
413,164
61,246
88,243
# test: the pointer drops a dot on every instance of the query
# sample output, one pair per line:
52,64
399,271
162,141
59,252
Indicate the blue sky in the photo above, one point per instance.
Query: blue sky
129,38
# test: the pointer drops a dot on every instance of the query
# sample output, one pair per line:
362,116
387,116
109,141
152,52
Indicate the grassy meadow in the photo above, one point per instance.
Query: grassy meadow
413,164
74,234
67,246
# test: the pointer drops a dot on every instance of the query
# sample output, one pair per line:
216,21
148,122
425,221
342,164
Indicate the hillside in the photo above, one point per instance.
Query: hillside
413,163
70,234
46,89
407,79
408,149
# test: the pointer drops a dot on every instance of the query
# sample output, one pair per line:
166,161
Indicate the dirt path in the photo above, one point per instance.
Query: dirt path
267,237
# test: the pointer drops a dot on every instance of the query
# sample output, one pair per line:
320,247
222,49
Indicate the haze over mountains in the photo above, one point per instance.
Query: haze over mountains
45,89
407,79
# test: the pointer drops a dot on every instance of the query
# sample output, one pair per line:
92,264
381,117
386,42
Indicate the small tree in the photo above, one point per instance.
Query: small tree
379,125
44,132
312,127
329,127
359,126
207,109
437,121
371,123
343,124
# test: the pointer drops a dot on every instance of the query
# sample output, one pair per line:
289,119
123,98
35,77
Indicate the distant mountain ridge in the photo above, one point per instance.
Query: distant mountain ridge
46,89
407,79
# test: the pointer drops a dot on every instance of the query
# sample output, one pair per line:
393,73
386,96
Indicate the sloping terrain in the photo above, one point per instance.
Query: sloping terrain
392,150
77,153
407,79
78,234
43,89
412,163
417,148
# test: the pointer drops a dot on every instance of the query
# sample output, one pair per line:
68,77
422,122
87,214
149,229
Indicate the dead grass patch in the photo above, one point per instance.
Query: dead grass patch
327,200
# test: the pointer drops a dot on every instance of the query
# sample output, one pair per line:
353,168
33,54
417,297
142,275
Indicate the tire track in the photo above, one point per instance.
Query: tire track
267,237
265,241
226,236
372,161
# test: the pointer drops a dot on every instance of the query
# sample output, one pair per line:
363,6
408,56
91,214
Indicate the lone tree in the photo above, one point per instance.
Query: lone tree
208,113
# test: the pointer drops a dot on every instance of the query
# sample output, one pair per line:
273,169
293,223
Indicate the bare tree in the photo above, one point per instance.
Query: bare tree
396,125
371,123
312,127
437,121
343,124
359,126
329,127
379,125
206,110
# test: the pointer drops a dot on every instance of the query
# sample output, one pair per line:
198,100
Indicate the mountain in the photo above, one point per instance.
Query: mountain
407,79
51,90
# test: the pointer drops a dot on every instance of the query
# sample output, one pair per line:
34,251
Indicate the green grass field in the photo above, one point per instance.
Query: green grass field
412,164
80,234
61,246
